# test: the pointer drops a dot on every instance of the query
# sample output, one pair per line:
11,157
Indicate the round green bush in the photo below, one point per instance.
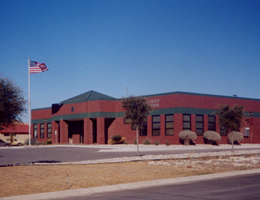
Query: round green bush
116,138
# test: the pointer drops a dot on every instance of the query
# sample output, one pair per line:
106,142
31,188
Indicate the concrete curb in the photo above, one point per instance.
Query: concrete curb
129,186
142,147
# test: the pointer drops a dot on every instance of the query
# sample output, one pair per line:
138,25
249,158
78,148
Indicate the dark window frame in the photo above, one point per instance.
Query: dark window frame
169,122
154,123
35,129
42,130
199,123
223,131
211,123
186,121
143,131
127,121
49,130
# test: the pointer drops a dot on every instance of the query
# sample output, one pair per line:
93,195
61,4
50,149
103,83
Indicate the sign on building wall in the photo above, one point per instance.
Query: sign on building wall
247,129
154,102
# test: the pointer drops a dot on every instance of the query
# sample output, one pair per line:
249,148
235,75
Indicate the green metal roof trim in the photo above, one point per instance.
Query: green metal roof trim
80,116
39,121
88,96
183,111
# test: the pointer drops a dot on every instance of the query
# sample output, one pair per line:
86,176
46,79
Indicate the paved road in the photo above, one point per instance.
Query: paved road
23,155
239,187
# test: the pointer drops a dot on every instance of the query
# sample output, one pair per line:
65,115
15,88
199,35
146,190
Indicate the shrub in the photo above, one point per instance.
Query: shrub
237,137
187,136
147,141
49,141
33,142
211,137
117,139
167,143
156,143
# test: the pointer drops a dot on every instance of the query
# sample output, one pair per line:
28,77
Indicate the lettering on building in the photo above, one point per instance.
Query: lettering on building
154,102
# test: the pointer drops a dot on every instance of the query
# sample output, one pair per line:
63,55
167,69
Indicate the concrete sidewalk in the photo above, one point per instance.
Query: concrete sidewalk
142,147
129,186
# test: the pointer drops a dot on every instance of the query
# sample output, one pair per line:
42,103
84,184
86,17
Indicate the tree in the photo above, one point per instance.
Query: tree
136,109
231,118
12,102
11,138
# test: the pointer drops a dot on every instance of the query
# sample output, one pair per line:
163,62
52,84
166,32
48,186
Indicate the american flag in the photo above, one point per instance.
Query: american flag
36,67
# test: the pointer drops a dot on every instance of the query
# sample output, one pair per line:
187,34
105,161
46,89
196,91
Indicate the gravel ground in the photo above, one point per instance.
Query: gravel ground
157,157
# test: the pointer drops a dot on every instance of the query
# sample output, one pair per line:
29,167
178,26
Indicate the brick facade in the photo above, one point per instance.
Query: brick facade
101,117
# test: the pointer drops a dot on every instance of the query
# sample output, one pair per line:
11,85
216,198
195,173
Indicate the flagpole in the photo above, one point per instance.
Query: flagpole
29,88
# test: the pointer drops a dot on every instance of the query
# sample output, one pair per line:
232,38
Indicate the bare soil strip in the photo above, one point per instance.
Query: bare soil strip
23,180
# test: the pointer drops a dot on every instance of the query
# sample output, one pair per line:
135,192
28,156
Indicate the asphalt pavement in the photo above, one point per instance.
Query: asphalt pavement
74,153
231,188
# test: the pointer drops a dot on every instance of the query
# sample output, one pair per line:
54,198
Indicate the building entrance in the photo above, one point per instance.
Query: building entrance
76,133
94,131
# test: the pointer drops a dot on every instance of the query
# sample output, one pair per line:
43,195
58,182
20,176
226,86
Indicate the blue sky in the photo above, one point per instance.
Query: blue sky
202,46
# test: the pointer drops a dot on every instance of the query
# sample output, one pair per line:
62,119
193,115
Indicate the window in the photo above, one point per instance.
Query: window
6,135
211,123
156,125
223,131
199,124
35,131
186,122
49,130
127,121
42,131
169,122
143,130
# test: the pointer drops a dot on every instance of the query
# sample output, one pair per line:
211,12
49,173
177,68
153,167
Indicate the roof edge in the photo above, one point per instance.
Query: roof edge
195,94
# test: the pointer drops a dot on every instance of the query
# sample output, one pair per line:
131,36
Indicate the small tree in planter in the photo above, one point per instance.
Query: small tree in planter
237,137
211,137
136,109
230,118
187,136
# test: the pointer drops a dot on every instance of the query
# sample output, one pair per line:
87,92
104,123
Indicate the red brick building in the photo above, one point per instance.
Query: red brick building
94,118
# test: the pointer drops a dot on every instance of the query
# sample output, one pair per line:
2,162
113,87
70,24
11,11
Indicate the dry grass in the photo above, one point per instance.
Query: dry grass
36,179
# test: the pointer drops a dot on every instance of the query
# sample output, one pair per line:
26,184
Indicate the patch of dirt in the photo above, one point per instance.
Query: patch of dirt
22,180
